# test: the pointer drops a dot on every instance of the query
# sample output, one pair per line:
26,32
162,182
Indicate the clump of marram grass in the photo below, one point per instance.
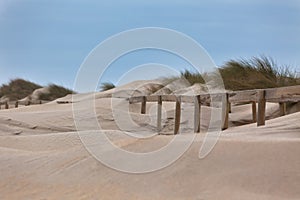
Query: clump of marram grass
256,73
55,92
192,77
106,86
18,89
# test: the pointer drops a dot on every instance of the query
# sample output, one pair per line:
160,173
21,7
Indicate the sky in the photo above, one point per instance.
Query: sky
46,41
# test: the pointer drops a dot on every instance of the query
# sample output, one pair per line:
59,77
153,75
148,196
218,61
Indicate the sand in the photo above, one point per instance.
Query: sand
42,157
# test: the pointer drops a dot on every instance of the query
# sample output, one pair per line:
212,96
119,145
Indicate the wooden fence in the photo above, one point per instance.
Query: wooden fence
17,103
5,103
260,96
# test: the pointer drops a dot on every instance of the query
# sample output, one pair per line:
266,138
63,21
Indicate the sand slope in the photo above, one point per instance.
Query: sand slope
42,157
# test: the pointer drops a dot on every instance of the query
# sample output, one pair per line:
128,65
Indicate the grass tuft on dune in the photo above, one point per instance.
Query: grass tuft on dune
243,74
55,92
106,86
18,89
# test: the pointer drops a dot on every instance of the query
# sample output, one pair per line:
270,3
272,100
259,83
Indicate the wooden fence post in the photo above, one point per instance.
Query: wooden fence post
177,115
254,111
225,111
159,108
197,114
282,108
261,114
143,108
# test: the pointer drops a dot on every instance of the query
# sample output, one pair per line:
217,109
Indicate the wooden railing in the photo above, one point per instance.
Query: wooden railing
259,96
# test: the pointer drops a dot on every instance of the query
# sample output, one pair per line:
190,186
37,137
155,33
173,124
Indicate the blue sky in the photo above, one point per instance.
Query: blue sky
46,41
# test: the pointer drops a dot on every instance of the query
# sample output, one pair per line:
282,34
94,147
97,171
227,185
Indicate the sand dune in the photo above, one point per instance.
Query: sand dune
42,157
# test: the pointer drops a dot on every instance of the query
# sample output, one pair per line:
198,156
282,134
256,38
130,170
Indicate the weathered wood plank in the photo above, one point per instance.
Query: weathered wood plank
159,110
187,99
243,96
261,108
169,98
254,111
137,99
143,106
177,115
152,98
225,111
282,108
197,114
291,93
294,98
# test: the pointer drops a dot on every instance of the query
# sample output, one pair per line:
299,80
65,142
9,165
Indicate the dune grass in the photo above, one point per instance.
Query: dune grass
256,73
106,86
55,92
18,89
192,77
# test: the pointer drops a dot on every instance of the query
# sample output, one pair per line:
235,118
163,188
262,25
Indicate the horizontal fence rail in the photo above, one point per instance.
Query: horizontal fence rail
260,97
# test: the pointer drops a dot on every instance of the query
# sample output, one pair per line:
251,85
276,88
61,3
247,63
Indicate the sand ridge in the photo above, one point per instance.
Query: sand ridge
42,157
